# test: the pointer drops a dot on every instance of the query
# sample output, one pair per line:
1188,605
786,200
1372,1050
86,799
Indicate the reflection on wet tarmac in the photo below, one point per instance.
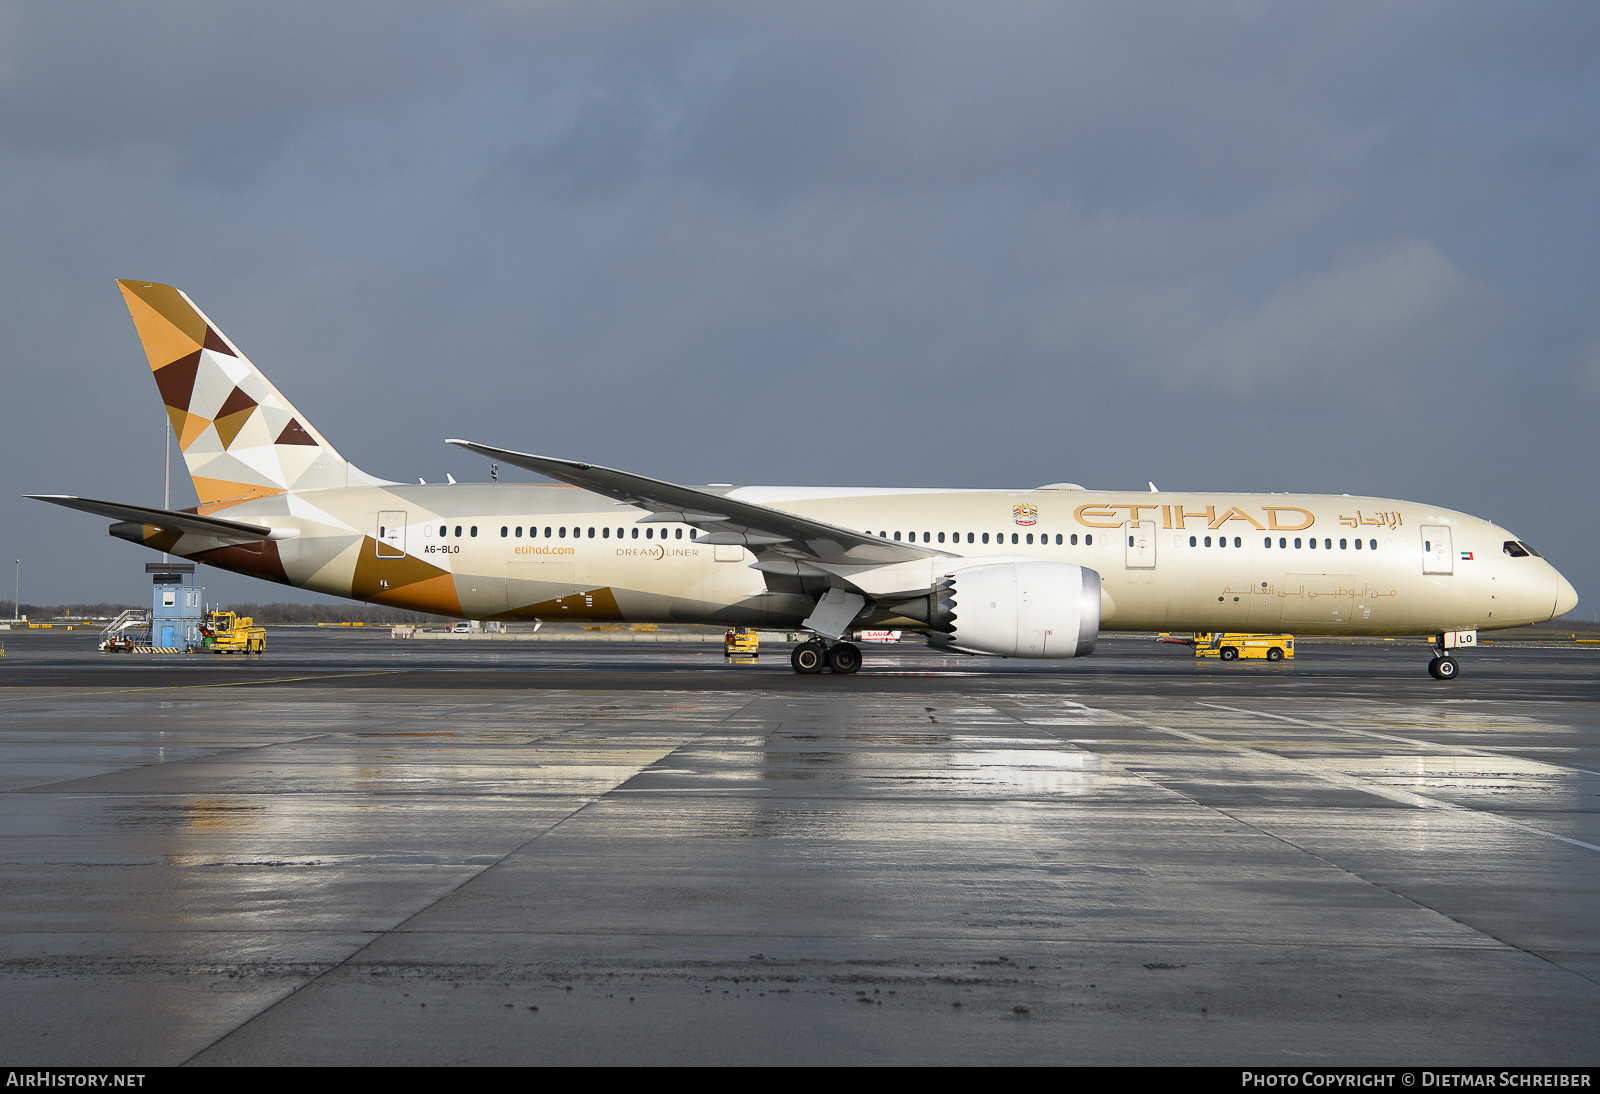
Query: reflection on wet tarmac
570,862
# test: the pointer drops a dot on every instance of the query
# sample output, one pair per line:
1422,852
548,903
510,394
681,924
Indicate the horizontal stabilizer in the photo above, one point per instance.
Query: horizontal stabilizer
170,519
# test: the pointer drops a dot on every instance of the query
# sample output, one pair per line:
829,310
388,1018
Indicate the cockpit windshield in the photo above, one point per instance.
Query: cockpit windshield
1517,549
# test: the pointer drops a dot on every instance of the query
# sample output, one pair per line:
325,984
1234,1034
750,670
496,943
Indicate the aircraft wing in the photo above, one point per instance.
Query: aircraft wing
764,530
169,519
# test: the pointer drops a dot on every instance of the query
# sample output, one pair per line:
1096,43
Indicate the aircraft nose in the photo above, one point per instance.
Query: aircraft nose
1566,597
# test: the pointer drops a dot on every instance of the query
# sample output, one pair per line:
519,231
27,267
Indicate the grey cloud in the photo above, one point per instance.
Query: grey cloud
966,244
1377,321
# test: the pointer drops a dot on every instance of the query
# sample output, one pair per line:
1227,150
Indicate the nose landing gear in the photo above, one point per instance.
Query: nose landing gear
841,658
1444,666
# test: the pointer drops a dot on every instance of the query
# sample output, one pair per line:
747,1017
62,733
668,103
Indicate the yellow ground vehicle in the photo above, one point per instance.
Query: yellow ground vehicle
741,640
225,632
1231,647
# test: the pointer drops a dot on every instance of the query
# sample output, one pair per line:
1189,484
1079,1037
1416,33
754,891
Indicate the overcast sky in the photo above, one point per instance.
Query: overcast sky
1338,247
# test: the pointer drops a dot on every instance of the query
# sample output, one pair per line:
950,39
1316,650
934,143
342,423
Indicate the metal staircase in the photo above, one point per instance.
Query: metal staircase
115,634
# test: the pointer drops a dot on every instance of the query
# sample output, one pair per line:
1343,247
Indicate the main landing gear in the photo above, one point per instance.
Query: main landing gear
841,658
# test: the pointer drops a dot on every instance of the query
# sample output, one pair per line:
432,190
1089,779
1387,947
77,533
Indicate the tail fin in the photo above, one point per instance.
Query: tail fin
239,436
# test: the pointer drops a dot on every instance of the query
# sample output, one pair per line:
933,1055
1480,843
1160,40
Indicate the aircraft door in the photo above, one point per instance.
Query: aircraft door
391,535
1139,539
1437,555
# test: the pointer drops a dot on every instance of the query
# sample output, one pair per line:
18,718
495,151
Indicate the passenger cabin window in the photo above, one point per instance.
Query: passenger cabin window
474,530
986,537
505,531
1192,541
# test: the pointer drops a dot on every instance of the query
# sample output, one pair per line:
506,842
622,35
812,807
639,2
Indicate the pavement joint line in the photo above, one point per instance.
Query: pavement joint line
45,788
1353,782
1496,754
1288,842
219,684
351,957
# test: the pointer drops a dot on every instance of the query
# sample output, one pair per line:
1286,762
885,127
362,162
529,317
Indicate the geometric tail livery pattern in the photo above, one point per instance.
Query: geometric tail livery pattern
240,437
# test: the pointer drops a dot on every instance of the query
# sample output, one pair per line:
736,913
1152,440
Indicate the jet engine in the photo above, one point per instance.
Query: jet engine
1017,608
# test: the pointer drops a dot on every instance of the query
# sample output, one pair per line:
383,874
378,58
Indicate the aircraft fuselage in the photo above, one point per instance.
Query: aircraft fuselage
1309,564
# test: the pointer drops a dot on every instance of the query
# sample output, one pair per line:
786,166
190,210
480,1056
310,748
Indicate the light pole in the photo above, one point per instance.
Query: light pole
166,466
16,607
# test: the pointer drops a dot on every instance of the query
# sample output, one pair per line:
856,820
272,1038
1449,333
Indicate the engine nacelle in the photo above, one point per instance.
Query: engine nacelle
1018,608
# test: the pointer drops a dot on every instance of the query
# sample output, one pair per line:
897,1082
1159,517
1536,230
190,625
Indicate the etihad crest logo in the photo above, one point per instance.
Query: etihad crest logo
1025,514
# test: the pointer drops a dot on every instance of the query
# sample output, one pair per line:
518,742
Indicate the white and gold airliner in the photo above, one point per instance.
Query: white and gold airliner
1014,573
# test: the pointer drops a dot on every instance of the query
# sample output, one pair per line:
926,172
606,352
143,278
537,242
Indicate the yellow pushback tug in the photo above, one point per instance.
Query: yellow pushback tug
226,632
1232,647
741,641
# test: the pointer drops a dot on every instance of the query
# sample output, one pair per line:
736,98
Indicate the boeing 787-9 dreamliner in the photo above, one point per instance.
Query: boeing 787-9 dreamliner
1011,573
